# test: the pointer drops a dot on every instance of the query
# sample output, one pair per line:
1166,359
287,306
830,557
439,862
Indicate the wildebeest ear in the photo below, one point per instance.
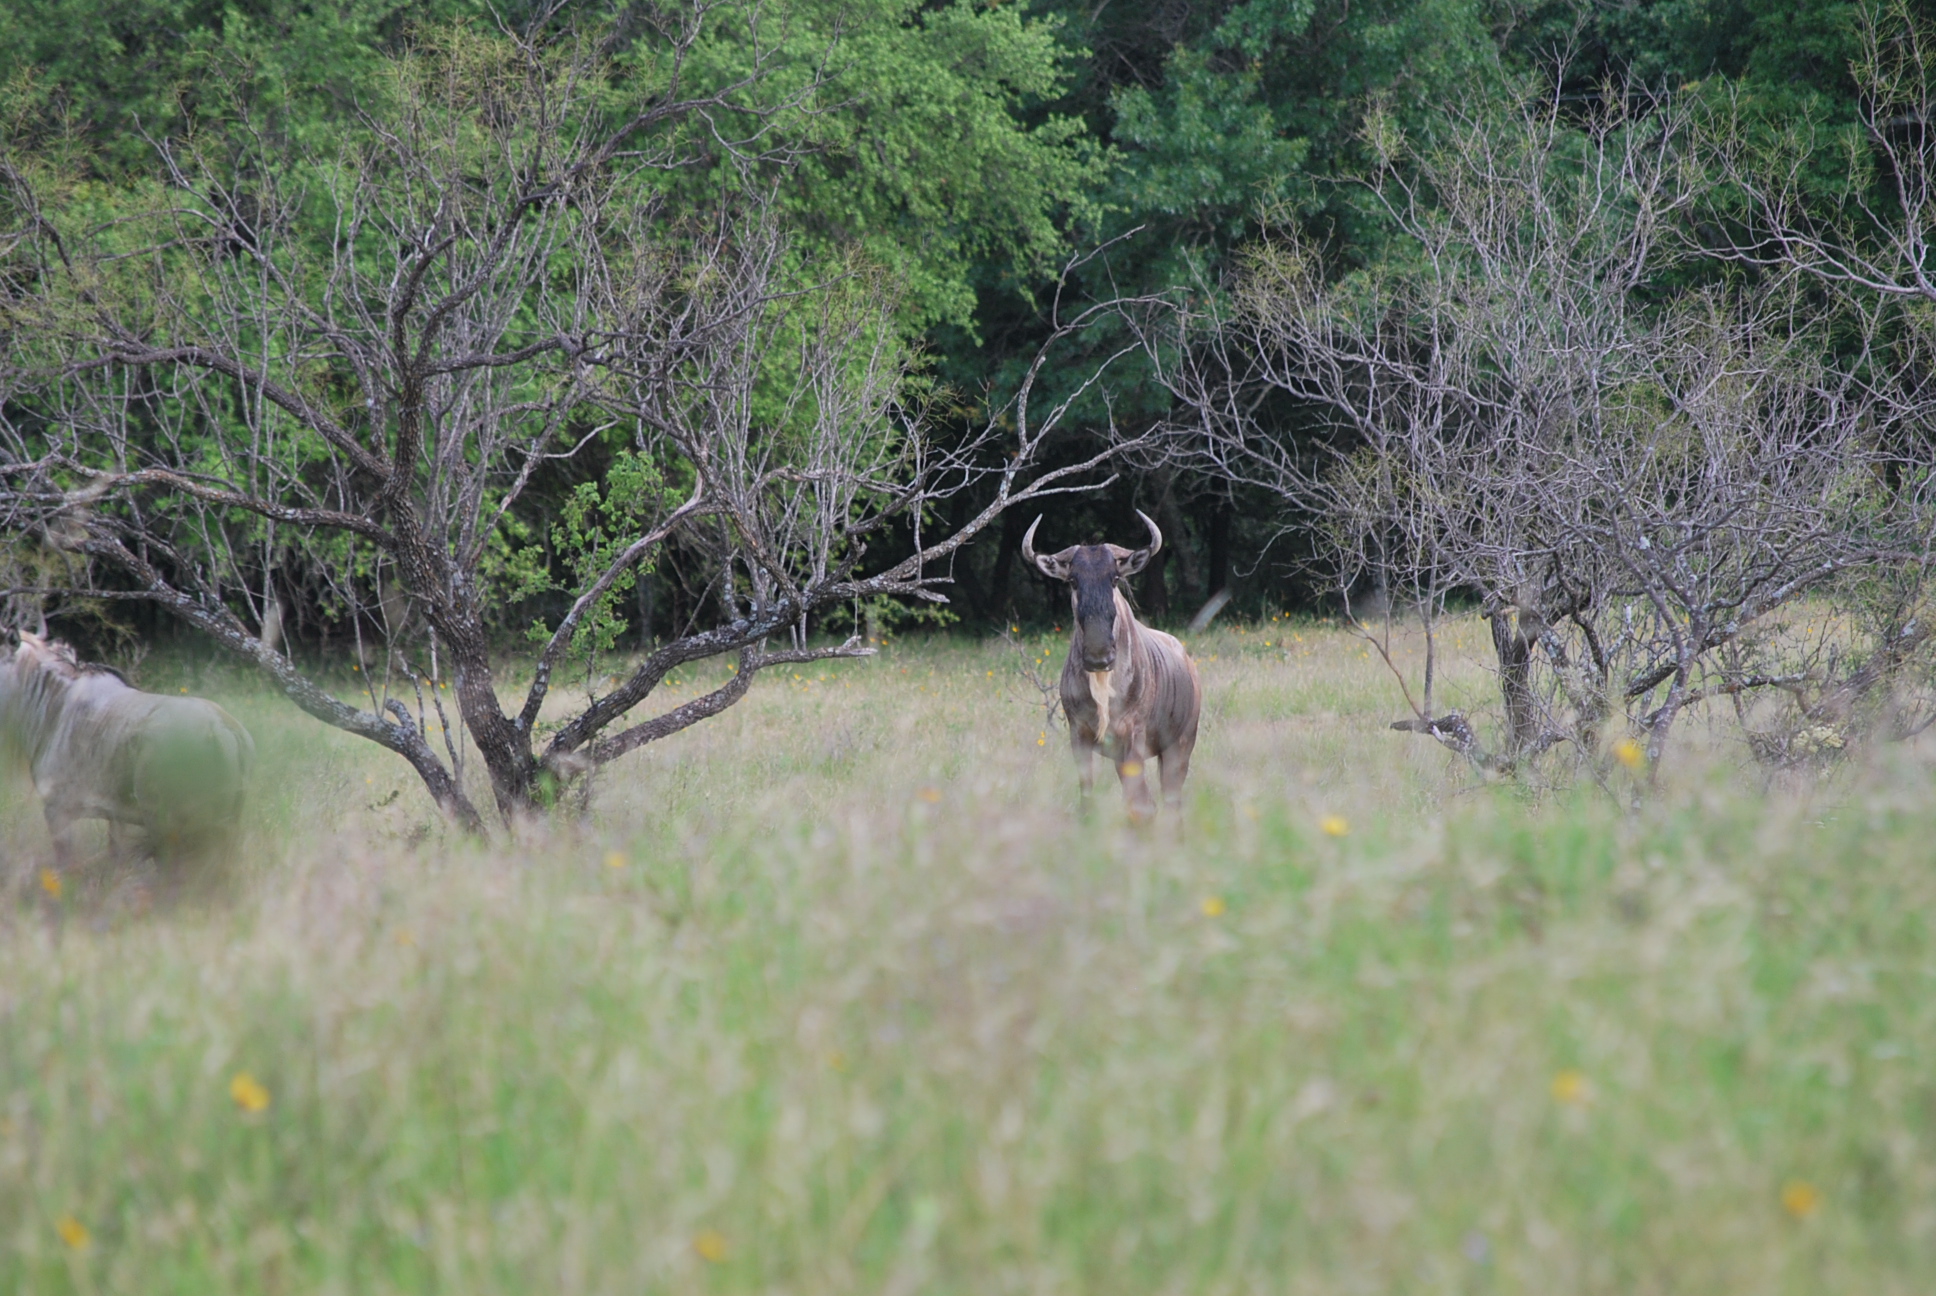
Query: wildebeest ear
1056,566
1129,561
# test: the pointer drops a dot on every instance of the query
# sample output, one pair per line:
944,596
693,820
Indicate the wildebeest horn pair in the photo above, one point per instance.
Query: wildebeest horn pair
1128,561
1128,690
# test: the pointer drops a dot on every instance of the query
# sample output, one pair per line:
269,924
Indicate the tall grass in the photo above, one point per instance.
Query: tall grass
841,993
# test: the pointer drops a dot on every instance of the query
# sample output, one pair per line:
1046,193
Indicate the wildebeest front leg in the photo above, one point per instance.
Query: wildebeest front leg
60,827
1085,754
1132,769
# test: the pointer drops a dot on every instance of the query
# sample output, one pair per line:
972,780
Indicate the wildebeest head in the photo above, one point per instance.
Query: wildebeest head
1093,571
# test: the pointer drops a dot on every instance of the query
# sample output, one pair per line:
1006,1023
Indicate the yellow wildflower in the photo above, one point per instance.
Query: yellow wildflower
1630,753
1132,769
1800,1198
72,1232
1334,825
1571,1087
1042,739
711,1245
248,1092
930,795
614,860
1212,906
50,882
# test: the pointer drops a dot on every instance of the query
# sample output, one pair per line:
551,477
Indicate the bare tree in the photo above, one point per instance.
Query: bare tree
353,367
1881,239
1867,242
1529,401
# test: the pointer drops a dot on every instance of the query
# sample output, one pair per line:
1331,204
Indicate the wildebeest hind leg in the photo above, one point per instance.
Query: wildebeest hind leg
1176,768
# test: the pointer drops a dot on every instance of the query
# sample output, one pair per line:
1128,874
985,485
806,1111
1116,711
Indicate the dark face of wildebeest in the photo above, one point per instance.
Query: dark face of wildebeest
1094,570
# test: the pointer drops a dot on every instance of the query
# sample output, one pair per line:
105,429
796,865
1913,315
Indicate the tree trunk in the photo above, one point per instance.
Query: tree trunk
1219,547
1514,646
452,611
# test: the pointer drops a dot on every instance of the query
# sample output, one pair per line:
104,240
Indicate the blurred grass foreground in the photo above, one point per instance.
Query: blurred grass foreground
840,993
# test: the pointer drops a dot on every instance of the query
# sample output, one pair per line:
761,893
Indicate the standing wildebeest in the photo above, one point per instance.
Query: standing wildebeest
99,748
1126,688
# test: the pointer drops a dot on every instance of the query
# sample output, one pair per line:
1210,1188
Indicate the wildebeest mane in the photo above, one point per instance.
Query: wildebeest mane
59,656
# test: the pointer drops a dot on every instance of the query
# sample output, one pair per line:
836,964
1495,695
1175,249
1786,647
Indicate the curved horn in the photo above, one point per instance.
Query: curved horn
1028,541
1131,561
1156,536
1054,566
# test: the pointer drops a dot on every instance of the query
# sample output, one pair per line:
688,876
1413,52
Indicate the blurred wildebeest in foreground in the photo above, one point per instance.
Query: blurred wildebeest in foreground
1128,689
99,748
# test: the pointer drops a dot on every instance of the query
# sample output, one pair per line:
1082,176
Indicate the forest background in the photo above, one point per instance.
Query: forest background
968,151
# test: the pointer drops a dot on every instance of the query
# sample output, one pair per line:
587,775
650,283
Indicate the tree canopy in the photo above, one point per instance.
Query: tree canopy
963,151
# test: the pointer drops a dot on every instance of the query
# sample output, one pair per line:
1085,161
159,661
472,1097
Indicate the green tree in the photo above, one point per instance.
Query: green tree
372,352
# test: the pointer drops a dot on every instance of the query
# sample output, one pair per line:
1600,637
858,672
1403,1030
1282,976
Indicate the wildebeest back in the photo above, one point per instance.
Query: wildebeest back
120,753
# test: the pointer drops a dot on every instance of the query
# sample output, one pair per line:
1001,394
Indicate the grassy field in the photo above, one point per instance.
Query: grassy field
840,993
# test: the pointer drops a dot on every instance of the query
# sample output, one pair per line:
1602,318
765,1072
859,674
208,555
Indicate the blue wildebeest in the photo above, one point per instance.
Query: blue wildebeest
1127,689
99,748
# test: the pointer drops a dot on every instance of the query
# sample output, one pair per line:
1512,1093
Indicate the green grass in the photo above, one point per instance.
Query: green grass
841,989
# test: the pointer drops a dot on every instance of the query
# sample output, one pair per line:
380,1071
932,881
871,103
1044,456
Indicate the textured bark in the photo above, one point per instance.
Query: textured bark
1513,646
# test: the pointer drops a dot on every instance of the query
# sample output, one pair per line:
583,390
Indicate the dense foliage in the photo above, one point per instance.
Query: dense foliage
966,150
